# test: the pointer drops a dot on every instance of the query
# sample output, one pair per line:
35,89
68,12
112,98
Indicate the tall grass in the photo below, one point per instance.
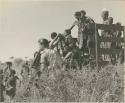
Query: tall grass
86,85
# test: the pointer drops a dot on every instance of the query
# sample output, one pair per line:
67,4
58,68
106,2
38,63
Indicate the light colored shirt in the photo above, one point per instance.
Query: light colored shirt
50,59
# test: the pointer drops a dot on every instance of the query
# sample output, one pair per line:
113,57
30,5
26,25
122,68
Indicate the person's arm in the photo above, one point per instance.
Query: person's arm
5,70
22,73
90,20
68,55
19,81
54,42
44,61
70,40
8,86
42,66
51,46
74,24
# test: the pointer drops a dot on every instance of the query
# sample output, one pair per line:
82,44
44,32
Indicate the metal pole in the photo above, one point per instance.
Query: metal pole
96,46
124,43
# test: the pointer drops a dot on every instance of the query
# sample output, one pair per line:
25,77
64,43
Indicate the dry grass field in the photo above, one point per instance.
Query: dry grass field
86,85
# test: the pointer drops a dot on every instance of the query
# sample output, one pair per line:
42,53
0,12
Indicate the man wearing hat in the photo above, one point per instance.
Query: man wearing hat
11,86
68,40
83,29
7,74
118,34
77,15
57,43
36,65
7,71
72,57
49,59
87,32
84,18
54,41
111,33
25,72
105,15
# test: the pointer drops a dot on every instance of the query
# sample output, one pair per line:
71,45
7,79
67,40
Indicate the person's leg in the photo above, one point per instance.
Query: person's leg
7,97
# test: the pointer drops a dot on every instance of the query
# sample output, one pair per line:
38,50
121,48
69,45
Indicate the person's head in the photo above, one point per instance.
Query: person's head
118,23
9,64
77,15
67,32
83,13
105,15
110,20
53,35
43,43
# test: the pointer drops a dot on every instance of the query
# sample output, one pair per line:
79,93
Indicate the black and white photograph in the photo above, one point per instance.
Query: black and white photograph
62,51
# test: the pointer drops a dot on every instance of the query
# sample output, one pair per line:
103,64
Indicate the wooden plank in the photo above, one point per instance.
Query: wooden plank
113,39
107,27
109,51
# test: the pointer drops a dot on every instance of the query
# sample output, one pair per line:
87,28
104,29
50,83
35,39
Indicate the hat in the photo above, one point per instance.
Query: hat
110,18
9,63
53,35
68,31
43,41
83,11
105,13
77,13
118,23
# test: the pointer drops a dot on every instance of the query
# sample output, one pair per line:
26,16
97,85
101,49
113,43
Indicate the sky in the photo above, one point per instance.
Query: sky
23,22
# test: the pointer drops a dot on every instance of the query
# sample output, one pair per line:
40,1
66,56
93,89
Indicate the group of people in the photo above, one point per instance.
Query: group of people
73,50
63,51
11,80
110,34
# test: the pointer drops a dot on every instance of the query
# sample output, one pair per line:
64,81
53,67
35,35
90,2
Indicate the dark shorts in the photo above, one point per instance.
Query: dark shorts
11,92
